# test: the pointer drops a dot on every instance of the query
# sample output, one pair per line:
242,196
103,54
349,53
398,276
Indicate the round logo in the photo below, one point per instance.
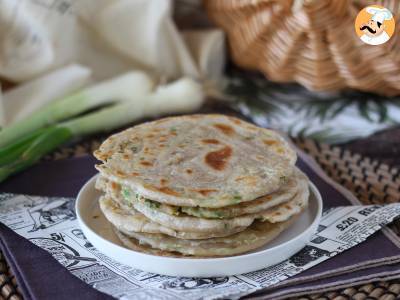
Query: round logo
374,25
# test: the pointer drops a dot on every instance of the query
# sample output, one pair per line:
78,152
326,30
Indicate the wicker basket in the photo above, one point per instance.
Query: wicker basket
312,42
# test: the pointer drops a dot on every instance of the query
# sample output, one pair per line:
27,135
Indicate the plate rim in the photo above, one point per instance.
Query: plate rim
313,189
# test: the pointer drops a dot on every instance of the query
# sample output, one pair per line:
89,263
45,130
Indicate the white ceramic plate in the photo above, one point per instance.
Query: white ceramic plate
99,232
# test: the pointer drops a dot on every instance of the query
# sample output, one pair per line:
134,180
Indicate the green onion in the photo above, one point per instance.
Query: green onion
22,101
180,96
126,88
152,204
10,153
126,193
23,150
49,140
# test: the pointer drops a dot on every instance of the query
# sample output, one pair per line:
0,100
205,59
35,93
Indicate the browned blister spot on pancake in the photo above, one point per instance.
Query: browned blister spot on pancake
126,156
146,163
167,190
101,156
236,121
107,155
205,192
225,129
135,174
210,141
239,178
121,174
114,185
163,181
248,180
148,151
270,142
218,159
189,171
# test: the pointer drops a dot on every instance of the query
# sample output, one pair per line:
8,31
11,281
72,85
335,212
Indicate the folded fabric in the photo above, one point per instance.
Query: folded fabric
109,37
354,278
38,274
361,263
61,178
65,177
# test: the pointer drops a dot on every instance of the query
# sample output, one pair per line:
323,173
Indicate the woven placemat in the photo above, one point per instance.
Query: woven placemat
371,181
8,284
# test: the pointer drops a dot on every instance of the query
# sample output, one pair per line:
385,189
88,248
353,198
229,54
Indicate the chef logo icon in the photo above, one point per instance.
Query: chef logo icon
375,25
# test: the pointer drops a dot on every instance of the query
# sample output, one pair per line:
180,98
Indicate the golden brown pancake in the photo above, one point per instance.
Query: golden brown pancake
198,160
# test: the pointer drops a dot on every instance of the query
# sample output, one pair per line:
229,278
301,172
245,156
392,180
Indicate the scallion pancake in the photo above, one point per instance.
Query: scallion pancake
131,221
186,223
255,236
279,213
283,195
199,160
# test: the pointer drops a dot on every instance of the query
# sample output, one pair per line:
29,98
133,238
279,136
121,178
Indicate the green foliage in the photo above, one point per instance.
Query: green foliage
264,102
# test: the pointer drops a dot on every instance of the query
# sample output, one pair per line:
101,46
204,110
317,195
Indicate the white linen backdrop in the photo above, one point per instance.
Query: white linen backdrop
44,40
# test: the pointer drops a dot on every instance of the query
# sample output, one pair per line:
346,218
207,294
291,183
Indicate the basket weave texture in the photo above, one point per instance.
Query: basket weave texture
312,42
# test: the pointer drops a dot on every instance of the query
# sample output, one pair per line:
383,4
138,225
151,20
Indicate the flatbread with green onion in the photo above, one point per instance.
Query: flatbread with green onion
130,221
255,236
279,213
283,195
186,223
198,160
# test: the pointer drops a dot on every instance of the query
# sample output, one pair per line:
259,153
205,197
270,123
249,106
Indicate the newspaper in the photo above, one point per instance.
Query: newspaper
51,224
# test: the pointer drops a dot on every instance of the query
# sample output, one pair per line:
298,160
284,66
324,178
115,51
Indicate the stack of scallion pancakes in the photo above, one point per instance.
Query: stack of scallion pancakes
199,186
